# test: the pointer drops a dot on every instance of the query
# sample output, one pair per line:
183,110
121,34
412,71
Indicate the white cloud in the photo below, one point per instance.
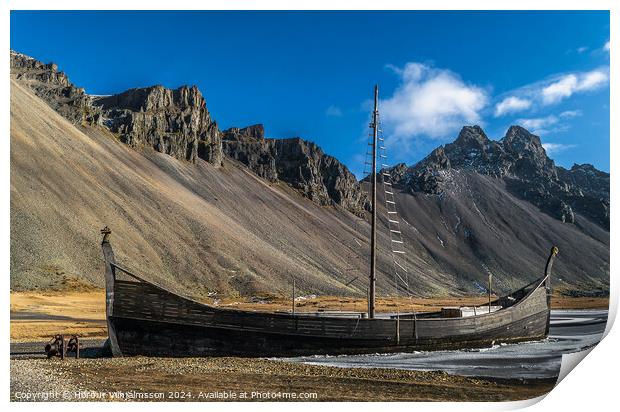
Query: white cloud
582,49
568,114
333,111
549,124
552,148
606,46
569,84
538,124
512,104
592,80
552,90
431,102
560,89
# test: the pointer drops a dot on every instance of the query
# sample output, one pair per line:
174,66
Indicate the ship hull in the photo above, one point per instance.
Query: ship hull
164,339
150,321
146,319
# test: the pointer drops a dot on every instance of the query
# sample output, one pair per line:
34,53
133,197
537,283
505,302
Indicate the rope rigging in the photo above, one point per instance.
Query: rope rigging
395,235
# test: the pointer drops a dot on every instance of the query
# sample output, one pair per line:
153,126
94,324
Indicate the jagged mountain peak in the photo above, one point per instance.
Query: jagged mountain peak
472,136
520,160
23,61
520,133
521,142
18,54
473,150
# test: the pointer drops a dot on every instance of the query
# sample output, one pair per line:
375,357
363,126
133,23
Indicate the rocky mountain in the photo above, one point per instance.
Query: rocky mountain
174,122
300,163
252,133
178,123
520,161
260,211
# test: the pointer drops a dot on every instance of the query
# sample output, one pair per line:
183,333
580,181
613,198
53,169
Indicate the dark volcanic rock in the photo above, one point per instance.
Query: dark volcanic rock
258,155
248,146
320,177
175,122
299,163
521,161
247,134
592,181
54,88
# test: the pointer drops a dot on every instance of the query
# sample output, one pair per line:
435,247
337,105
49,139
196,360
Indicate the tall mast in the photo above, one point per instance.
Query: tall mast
373,227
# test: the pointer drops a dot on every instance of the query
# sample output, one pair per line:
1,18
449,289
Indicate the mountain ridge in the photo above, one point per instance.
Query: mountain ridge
177,122
521,161
191,223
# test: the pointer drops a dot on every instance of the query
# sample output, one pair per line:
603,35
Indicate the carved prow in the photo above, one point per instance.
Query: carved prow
108,257
554,252
548,266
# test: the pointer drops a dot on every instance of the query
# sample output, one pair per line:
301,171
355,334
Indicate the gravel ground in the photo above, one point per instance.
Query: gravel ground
207,379
30,382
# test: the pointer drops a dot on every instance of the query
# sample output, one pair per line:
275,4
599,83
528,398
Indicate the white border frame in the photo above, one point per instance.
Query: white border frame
592,384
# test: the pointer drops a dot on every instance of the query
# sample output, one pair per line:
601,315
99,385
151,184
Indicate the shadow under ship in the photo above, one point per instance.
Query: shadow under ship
146,319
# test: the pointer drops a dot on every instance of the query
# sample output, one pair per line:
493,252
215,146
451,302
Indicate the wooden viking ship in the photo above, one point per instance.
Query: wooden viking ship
146,319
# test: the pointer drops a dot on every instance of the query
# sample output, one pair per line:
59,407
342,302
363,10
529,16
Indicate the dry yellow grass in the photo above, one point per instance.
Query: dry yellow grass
90,305
564,302
37,315
23,331
339,303
355,304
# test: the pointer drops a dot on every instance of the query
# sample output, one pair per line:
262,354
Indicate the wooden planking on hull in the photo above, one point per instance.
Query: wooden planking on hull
152,338
141,304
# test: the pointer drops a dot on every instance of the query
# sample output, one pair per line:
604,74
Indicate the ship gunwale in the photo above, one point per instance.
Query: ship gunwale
503,310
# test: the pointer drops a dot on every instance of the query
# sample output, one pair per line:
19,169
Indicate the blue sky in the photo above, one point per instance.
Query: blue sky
311,74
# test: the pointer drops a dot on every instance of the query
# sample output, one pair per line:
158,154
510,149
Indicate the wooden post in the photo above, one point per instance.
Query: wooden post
367,295
110,278
293,295
490,280
63,348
